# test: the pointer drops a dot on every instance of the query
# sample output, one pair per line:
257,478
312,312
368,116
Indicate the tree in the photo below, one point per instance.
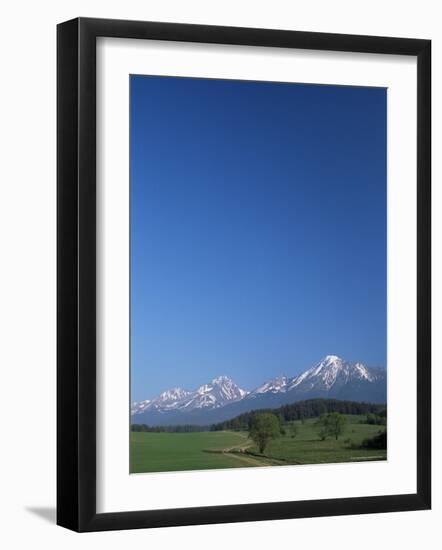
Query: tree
336,424
321,426
263,428
330,424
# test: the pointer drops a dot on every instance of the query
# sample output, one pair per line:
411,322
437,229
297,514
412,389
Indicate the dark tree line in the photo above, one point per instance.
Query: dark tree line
311,408
186,428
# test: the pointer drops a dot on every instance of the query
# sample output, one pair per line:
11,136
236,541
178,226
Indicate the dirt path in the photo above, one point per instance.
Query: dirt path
239,452
241,447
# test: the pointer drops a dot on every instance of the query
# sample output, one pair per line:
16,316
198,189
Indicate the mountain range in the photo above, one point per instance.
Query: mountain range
221,399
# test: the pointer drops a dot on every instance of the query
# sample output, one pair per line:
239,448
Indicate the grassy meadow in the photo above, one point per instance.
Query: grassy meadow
167,452
164,452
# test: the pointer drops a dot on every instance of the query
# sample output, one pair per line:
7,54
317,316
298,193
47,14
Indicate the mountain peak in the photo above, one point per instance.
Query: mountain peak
329,359
221,379
329,362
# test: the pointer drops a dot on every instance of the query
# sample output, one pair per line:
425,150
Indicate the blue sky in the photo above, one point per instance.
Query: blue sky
258,229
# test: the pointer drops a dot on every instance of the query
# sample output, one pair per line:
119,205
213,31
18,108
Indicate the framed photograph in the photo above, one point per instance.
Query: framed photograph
243,274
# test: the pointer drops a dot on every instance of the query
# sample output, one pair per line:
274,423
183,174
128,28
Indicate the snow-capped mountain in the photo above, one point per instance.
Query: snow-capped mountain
332,372
276,385
332,377
139,406
221,398
329,376
217,393
168,400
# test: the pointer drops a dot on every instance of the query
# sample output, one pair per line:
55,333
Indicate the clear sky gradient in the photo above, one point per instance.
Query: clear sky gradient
258,229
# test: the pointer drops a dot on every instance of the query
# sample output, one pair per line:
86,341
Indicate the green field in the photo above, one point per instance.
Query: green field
163,452
306,448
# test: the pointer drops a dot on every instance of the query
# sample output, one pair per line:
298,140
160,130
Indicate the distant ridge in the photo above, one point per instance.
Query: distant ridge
221,399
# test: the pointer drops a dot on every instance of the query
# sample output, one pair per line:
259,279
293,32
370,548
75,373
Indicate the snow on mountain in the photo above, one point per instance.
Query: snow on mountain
169,399
331,371
332,377
276,385
139,406
217,393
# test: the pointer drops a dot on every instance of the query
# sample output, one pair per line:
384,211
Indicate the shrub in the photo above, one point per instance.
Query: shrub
379,441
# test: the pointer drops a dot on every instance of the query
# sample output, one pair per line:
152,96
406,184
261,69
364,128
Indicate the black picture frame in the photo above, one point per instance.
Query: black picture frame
77,287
